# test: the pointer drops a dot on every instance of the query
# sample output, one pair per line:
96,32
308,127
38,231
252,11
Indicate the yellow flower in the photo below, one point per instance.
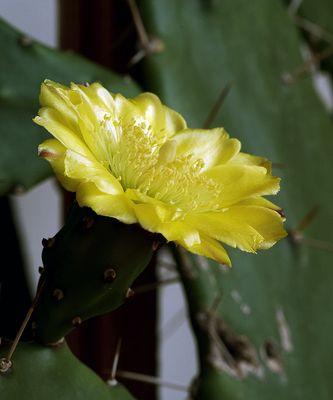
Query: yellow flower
136,160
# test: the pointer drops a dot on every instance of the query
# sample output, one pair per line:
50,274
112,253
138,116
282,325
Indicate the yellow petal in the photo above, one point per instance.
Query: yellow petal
160,117
69,105
247,227
152,218
54,152
51,120
213,146
93,105
165,211
260,202
117,206
95,101
89,170
97,95
174,122
249,159
53,95
239,182
210,248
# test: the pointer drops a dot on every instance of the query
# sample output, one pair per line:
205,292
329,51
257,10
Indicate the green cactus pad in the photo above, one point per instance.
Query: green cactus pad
40,373
24,64
89,268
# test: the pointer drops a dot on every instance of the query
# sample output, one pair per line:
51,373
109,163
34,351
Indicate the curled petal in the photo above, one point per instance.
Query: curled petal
54,152
56,96
52,120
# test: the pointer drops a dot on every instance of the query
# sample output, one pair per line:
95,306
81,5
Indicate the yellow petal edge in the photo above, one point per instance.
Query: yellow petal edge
136,160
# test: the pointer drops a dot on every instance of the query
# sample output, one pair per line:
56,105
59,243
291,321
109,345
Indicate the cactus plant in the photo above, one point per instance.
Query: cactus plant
89,267
261,327
24,64
42,373
274,305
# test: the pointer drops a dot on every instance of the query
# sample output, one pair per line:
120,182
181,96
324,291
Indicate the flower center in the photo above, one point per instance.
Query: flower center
131,151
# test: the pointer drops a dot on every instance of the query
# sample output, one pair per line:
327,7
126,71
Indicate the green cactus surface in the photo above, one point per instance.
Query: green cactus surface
40,373
24,64
89,267
270,334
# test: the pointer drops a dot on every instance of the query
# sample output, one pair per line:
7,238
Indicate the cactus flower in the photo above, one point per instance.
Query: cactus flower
137,161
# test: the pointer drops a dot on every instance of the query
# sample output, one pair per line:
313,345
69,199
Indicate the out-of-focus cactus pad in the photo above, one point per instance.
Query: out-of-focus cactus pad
40,373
